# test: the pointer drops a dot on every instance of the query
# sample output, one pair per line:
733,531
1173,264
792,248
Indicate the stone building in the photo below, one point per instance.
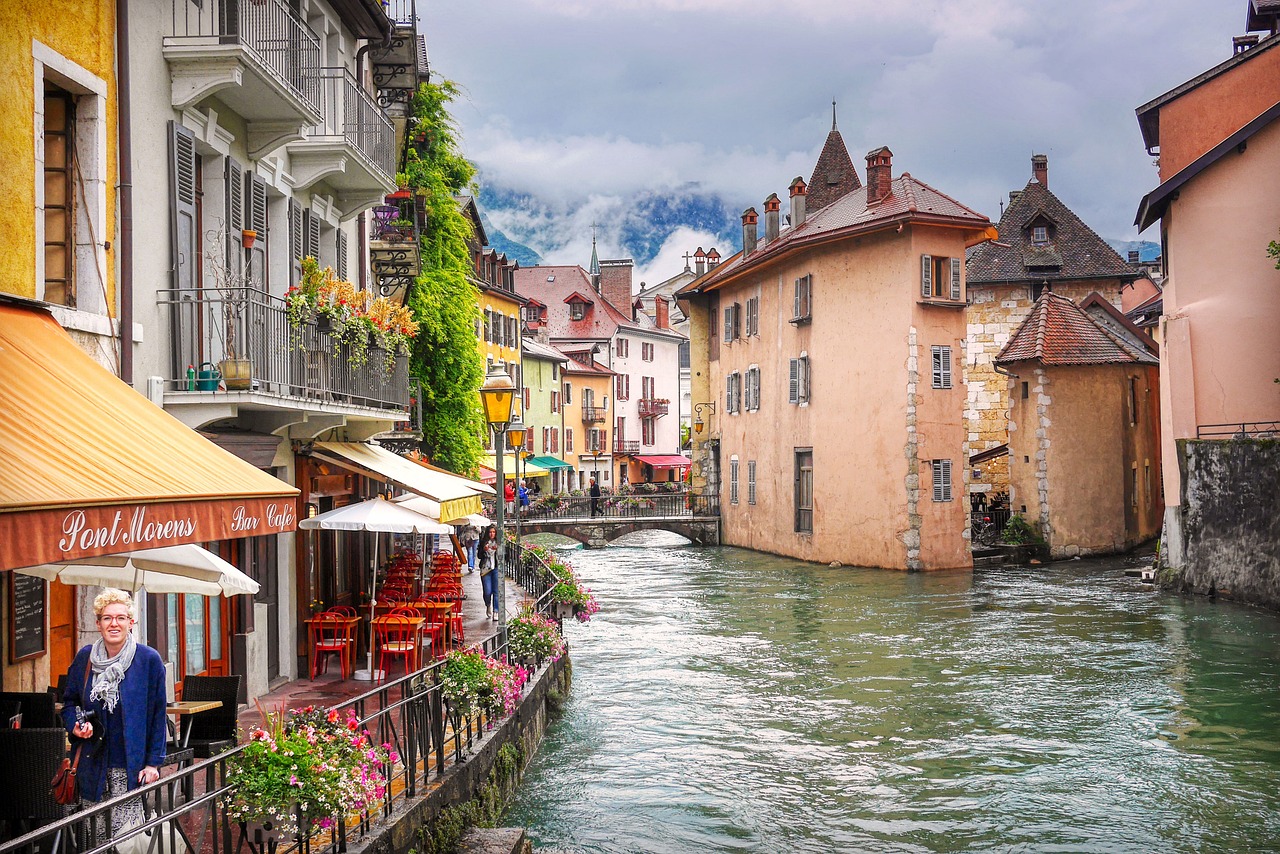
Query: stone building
1043,246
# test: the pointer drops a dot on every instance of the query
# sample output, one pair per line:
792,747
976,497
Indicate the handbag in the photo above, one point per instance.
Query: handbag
65,786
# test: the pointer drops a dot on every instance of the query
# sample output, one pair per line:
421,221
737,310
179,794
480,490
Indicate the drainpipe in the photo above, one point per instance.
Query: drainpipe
125,158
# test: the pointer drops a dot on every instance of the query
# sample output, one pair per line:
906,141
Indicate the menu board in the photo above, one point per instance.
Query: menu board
27,596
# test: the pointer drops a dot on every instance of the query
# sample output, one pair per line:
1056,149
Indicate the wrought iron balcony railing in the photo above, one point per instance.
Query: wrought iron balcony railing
626,446
351,114
224,328
276,38
653,407
594,414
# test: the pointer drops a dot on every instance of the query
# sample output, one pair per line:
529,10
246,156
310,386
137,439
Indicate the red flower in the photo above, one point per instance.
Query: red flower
353,724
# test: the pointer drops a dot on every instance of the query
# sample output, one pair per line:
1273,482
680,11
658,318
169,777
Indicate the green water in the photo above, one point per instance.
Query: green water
730,701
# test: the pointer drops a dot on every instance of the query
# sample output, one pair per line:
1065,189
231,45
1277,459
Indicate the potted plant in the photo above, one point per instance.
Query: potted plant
303,768
233,287
531,637
471,682
402,191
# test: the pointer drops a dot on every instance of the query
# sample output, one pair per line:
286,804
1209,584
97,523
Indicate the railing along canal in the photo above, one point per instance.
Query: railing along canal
556,508
186,811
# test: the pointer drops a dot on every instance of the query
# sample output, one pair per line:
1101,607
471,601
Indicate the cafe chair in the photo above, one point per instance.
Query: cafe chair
217,729
37,708
396,636
330,635
31,758
344,610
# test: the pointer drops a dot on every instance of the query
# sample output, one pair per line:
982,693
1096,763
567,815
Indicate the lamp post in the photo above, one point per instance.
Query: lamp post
497,396
516,439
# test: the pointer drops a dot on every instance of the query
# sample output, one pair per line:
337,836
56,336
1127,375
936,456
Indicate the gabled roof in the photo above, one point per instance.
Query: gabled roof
833,175
567,282
579,296
471,211
530,348
1074,252
1115,320
909,200
1059,332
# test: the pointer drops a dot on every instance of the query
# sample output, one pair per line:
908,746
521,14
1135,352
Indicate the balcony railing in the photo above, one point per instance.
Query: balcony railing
626,446
653,407
1239,430
304,362
352,114
268,29
594,414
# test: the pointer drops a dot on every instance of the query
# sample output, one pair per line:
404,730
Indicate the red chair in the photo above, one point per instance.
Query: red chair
396,636
344,610
330,635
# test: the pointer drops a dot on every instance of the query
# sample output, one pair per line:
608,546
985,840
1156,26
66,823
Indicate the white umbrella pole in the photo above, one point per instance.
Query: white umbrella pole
368,674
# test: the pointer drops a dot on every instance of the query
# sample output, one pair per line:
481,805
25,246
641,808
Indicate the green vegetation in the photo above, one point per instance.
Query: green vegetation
484,810
446,356
1020,532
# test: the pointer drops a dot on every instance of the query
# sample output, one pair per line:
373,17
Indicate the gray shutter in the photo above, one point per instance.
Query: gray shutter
804,379
937,367
313,235
295,239
182,184
256,219
955,278
728,323
945,366
936,465
343,273
793,388
926,276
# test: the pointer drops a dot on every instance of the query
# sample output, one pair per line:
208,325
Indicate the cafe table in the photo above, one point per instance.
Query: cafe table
187,711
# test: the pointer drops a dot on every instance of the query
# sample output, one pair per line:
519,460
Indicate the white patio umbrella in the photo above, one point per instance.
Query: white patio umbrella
172,569
379,516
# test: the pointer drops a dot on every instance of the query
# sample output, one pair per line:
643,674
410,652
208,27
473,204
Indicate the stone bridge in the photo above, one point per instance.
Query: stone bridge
598,532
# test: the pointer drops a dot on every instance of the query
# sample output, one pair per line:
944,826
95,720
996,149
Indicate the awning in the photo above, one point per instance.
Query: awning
456,497
527,468
90,467
665,461
550,463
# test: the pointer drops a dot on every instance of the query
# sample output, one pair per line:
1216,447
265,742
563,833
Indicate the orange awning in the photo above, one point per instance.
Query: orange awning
88,466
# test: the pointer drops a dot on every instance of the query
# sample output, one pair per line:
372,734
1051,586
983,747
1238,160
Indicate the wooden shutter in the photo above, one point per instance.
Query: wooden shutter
255,216
804,379
942,480
728,323
527,395
234,178
793,387
955,278
926,276
942,367
342,256
182,184
728,393
295,240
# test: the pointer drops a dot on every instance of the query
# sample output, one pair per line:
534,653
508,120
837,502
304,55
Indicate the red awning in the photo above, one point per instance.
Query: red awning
665,461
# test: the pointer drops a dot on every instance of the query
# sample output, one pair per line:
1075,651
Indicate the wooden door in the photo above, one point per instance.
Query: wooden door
62,629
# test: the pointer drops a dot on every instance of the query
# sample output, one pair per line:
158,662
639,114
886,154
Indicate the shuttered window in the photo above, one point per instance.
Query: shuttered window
255,219
753,316
546,440
733,392
752,390
234,186
728,323
296,240
568,440
955,278
802,304
926,276
942,480
733,480
804,490
751,481
58,152
182,175
312,246
343,272
941,367
798,382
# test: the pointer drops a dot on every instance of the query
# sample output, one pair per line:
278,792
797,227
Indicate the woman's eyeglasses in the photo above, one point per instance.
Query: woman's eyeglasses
117,619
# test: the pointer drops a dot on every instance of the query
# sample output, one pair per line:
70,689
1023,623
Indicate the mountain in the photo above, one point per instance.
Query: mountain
1147,251
514,250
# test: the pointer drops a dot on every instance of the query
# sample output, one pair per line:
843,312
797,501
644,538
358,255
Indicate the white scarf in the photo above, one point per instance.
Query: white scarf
108,671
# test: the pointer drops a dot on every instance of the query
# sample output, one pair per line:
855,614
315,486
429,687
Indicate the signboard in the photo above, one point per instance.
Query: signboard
27,598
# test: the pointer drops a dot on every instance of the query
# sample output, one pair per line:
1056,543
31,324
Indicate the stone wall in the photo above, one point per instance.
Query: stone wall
995,312
1230,525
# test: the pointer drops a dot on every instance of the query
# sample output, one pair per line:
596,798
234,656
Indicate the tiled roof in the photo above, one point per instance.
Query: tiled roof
1059,332
908,199
602,318
1074,250
541,351
833,175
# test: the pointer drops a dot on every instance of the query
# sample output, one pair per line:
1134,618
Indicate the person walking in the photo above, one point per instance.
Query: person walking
470,540
114,705
509,493
595,497
489,577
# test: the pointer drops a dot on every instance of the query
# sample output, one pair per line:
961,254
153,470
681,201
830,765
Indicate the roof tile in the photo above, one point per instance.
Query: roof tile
1059,332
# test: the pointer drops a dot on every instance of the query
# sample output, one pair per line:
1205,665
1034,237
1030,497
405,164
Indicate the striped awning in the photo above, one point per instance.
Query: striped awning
457,496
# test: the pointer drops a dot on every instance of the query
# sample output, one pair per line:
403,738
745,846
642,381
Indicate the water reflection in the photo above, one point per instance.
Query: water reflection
730,701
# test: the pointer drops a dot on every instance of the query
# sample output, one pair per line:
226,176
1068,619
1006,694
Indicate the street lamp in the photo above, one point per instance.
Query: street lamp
698,423
497,396
515,438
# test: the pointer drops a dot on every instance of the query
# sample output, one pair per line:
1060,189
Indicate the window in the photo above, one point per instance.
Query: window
732,392
733,480
555,440
555,401
577,310
713,317
798,386
940,278
59,196
546,440
751,481
1133,401
941,367
595,440
751,392
1040,235
1025,391
647,387
1133,485
647,431
622,385
733,322
568,440
646,352
568,394
340,252
802,308
941,480
622,347
753,316
1146,482
804,490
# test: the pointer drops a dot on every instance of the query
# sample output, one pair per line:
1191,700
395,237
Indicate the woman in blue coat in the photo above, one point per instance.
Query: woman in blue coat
118,713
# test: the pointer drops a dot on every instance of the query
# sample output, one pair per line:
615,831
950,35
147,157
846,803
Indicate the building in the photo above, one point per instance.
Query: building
1043,245
1217,206
501,308
578,311
826,364
584,402
543,415
1084,426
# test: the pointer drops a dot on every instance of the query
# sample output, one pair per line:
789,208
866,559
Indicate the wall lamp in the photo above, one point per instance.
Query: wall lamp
698,423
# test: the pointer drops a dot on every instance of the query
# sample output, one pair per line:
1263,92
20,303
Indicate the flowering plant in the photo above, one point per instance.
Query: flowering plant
307,764
566,588
354,316
531,635
474,682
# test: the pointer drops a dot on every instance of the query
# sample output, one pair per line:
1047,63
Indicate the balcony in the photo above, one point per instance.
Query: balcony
257,56
302,369
653,407
625,446
394,248
594,414
352,146
400,63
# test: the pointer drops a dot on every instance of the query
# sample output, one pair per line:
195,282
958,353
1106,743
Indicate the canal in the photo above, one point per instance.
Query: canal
725,700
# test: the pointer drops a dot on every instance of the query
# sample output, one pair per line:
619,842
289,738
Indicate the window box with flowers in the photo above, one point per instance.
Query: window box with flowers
472,682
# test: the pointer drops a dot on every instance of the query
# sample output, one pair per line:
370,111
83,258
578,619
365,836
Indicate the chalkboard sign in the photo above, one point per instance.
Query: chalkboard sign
26,616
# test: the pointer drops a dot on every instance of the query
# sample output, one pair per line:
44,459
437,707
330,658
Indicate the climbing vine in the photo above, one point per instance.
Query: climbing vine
446,356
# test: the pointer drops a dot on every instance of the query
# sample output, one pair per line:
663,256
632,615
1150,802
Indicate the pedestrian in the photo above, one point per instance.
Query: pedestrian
509,493
595,497
489,572
114,706
470,540
524,496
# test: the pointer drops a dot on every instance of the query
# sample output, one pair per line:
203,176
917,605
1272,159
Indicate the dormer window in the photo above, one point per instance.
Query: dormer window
1040,235
577,310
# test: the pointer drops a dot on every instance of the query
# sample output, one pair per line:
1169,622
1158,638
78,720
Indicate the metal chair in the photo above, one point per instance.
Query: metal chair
397,636
31,758
330,635
216,730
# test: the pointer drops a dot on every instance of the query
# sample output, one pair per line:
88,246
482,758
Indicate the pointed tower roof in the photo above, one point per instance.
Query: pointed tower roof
833,175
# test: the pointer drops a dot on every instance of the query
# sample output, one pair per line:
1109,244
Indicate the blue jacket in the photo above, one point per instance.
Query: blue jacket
142,702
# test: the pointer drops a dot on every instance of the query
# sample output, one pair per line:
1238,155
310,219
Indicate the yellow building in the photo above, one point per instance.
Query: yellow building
500,306
584,396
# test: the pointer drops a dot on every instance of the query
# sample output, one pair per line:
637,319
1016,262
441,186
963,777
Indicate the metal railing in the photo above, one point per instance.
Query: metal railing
557,508
651,407
986,526
350,113
626,446
403,12
1240,430
306,362
276,38
594,414
187,809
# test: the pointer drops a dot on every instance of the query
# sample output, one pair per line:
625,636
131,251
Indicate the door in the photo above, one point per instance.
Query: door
62,629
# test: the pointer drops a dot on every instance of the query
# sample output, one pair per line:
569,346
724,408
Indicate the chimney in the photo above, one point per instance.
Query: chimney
798,194
879,174
699,262
615,283
771,208
749,219
713,259
662,312
1133,256
1040,169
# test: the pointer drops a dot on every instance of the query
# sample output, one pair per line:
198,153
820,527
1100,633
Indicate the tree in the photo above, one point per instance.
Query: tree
446,356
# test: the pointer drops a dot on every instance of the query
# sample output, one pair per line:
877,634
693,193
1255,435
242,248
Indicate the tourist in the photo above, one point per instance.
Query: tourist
524,495
489,573
595,497
470,538
509,493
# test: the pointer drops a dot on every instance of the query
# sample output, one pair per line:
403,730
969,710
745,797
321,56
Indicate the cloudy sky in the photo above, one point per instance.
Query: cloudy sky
586,104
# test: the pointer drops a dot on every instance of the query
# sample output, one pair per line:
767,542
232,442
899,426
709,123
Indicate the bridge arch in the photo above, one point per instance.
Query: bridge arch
598,533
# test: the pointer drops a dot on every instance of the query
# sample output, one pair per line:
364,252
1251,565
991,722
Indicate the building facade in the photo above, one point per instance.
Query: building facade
543,413
584,399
